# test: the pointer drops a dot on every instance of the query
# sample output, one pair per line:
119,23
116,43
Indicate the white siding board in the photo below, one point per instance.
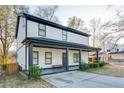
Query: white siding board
84,56
21,57
55,33
20,46
21,32
76,38
56,56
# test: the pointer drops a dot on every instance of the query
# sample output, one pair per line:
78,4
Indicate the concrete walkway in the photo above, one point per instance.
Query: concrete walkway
79,79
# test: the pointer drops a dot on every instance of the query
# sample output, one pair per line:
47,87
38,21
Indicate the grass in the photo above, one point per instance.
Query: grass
17,81
110,70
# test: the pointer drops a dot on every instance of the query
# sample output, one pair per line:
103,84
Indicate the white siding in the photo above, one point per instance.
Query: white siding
20,46
55,33
21,32
56,56
21,57
84,56
32,29
76,38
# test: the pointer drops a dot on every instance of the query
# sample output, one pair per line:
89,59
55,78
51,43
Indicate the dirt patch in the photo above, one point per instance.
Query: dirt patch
17,81
109,69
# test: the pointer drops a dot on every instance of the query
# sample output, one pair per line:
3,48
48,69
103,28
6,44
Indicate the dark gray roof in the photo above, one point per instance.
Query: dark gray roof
59,43
118,52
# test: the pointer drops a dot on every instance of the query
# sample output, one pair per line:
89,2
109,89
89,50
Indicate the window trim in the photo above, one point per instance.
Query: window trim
36,58
39,29
76,58
64,35
48,58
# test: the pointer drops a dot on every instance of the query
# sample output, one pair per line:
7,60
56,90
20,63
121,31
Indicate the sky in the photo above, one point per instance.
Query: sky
84,12
87,12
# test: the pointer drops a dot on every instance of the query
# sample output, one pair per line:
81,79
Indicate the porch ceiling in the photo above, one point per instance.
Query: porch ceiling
58,44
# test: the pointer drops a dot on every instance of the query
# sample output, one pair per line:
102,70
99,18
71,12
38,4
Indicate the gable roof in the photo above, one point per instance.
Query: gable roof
46,22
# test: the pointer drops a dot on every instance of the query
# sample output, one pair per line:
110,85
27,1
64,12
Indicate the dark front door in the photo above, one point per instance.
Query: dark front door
64,61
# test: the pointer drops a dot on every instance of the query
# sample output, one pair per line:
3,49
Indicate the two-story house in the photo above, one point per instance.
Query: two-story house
53,47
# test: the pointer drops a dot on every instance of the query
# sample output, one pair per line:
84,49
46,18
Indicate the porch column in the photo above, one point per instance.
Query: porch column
30,57
67,67
30,53
97,56
80,58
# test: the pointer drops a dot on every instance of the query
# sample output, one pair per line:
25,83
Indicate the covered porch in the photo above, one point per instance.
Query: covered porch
62,54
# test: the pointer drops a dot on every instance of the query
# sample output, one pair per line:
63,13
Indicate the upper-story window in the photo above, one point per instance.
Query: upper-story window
64,35
41,30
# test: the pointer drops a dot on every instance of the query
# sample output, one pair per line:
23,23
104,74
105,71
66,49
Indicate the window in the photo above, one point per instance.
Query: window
64,35
41,30
75,57
48,57
35,58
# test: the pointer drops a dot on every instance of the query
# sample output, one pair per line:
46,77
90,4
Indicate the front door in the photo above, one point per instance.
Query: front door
64,61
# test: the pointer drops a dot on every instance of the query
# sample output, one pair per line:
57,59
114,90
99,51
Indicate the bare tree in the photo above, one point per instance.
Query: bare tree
95,27
7,27
117,28
47,12
21,9
76,23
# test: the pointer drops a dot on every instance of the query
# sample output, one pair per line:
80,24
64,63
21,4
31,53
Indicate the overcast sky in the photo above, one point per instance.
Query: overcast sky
85,12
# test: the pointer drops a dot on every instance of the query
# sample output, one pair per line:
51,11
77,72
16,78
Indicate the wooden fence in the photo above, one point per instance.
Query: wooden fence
12,68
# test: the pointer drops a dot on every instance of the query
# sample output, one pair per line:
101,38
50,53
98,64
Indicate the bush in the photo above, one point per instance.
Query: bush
101,63
93,65
35,72
84,66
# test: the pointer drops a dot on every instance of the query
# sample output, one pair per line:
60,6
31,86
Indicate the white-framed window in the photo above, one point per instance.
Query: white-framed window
48,58
35,57
76,57
42,30
64,35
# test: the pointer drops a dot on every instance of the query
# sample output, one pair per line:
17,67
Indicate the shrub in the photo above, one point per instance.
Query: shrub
93,65
90,65
35,72
101,63
84,66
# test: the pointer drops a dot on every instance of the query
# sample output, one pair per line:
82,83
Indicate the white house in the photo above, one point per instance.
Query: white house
53,47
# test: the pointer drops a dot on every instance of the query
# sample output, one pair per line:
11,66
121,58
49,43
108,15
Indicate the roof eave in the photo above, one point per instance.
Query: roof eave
31,17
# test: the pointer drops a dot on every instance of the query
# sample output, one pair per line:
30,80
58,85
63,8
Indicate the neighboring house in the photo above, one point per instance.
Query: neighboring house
53,47
102,57
116,56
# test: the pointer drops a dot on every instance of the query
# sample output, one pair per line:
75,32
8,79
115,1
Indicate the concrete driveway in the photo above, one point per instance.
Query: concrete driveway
79,79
